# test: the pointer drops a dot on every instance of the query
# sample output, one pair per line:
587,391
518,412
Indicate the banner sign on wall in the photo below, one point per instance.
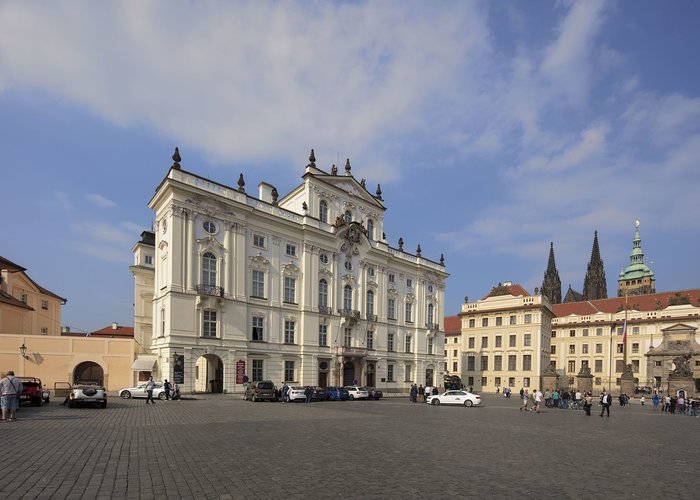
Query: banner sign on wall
240,371
179,369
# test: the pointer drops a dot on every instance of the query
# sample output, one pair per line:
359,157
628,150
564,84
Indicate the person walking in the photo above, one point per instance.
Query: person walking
414,394
524,398
308,392
606,402
655,401
150,385
10,389
587,403
166,388
642,400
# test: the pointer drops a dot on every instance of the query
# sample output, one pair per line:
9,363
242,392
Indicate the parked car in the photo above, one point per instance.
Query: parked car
337,393
374,393
260,391
140,391
87,392
455,398
319,394
33,391
357,392
295,393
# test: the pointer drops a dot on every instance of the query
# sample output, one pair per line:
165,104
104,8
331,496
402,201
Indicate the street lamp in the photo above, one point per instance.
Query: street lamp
23,350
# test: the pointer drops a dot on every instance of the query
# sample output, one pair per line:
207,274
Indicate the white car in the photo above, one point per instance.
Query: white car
357,392
463,398
296,393
87,392
140,392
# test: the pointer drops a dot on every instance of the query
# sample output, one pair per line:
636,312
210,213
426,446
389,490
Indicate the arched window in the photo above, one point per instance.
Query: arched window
370,304
347,216
323,211
370,229
347,298
209,269
430,314
322,293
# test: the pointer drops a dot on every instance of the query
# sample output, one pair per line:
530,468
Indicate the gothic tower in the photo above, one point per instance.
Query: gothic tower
594,286
637,278
551,286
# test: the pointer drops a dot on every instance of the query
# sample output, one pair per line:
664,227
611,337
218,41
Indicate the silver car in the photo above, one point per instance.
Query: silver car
357,392
140,391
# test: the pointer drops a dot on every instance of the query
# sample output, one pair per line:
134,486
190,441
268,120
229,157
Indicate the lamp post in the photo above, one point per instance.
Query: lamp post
23,350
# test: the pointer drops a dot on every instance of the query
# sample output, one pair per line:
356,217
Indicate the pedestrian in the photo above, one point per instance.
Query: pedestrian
587,403
167,387
538,401
655,401
10,389
498,390
421,391
308,392
642,400
435,391
285,393
414,394
524,398
428,391
606,402
150,385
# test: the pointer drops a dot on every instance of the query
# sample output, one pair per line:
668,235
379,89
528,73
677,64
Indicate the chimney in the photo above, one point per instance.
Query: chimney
115,325
265,192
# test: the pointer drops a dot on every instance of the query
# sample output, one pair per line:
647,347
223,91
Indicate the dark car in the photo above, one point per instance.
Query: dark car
260,391
319,394
374,393
337,394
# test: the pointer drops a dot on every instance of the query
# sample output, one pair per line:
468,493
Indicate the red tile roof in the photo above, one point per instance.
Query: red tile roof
108,331
453,325
6,298
651,302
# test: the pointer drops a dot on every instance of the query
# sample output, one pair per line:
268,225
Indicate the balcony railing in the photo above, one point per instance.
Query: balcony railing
372,317
352,351
325,310
349,313
432,326
215,291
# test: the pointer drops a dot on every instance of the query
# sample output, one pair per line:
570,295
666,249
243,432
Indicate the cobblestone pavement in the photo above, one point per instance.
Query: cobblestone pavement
224,447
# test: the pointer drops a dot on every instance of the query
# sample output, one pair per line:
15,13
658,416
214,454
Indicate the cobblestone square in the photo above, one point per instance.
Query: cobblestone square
224,447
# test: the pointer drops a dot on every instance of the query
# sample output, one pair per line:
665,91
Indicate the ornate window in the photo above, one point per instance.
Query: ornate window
258,332
431,310
323,211
347,298
208,323
290,286
322,293
347,216
370,304
258,289
209,269
370,229
289,327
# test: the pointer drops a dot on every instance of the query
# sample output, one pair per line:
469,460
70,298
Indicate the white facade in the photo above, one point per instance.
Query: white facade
301,289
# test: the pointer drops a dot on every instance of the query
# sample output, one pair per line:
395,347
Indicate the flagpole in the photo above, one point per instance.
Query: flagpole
624,336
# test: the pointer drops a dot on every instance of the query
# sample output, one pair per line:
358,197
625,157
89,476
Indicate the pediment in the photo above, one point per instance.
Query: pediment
353,189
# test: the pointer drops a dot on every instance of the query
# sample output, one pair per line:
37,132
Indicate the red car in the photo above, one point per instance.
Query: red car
33,391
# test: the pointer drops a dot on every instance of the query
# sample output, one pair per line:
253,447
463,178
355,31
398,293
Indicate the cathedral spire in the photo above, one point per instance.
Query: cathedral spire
594,286
637,278
551,286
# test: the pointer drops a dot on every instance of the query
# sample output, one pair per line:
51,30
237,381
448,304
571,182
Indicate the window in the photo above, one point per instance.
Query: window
44,304
471,363
484,342
553,349
635,330
208,323
499,320
44,331
584,332
511,381
572,366
409,282
408,343
471,342
598,365
370,304
347,217
289,371
554,333
455,340
209,269
347,298
431,310
499,341
527,340
370,339
511,341
149,260
23,298
390,373
484,322
619,349
392,278
370,229
455,366
162,322
258,284
472,323
512,362
370,272
408,370
572,333
409,312
498,363
430,345
483,381
512,320
258,241
572,349
390,342
619,366
322,293
527,362
635,348
391,308
290,286
289,331
497,381
598,381
347,337
526,381
484,363
257,373
599,331
257,328
323,258
323,211
599,348
291,250
584,349
323,335
209,227
528,319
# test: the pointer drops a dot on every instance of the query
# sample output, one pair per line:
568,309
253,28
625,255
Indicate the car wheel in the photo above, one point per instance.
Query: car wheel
436,402
351,397
468,403
71,404
126,395
38,402
161,396
104,404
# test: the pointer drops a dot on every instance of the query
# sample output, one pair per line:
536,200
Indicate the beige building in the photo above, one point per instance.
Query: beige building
302,288
505,340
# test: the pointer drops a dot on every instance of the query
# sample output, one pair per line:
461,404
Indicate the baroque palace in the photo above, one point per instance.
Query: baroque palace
511,338
302,288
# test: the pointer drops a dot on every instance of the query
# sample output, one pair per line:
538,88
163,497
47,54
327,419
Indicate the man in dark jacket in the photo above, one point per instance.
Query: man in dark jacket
606,402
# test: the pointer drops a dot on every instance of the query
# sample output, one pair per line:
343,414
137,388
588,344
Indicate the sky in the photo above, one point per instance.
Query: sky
494,128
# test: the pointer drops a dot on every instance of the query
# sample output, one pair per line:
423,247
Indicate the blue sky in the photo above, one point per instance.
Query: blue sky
493,128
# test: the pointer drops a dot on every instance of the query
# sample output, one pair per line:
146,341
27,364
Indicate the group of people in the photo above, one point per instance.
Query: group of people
426,391
172,392
555,399
506,392
673,404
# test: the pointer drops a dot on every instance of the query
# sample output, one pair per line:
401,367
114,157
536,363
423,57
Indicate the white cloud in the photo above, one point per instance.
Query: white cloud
100,201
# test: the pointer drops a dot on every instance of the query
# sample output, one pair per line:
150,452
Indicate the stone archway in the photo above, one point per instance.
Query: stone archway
88,371
209,374
348,373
